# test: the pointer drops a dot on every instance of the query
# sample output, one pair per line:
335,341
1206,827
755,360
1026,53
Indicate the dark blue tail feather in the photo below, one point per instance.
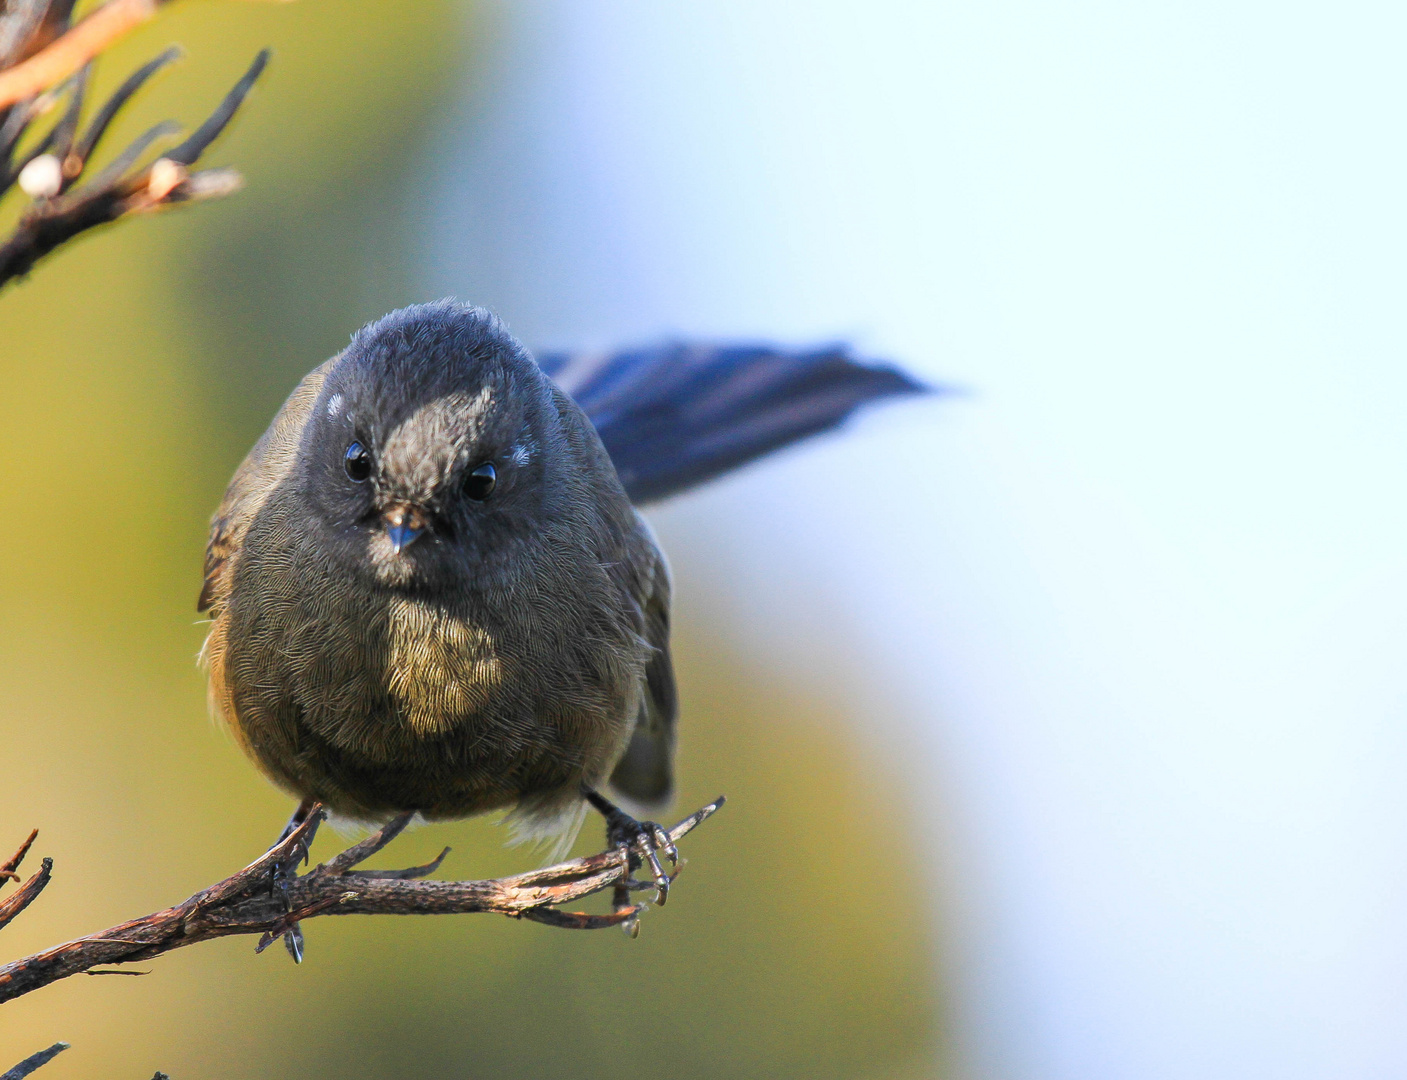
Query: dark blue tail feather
674,416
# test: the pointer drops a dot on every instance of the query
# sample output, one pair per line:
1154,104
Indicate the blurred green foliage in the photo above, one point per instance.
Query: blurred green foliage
138,365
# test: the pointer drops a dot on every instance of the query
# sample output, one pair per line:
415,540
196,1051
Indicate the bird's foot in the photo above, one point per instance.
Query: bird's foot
283,872
640,843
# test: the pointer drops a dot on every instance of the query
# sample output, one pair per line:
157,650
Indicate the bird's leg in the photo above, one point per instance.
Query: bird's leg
639,841
283,871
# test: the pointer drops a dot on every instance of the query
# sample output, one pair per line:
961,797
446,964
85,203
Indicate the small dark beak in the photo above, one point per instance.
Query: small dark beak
404,524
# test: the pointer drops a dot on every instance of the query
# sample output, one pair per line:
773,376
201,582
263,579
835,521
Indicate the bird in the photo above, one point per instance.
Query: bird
430,586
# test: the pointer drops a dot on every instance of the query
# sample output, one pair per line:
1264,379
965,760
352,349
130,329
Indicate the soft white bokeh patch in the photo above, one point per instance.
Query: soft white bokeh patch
1132,610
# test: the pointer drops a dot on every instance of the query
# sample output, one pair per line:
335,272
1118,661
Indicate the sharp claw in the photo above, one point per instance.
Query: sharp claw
293,942
656,870
661,879
665,844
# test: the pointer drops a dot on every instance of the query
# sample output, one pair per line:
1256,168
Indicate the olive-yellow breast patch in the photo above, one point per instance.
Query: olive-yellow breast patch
440,668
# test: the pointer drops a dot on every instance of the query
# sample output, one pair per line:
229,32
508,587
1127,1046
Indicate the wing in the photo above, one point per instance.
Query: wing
646,771
268,463
677,415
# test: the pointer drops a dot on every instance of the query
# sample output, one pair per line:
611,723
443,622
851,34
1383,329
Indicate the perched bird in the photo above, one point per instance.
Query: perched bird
430,588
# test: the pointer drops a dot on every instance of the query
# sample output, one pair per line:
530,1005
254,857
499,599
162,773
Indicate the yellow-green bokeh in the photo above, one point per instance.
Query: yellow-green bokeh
138,365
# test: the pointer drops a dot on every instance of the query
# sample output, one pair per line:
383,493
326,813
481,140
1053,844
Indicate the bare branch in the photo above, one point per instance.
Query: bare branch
13,862
16,902
63,57
358,853
86,145
409,873
208,132
66,130
29,1064
246,903
115,192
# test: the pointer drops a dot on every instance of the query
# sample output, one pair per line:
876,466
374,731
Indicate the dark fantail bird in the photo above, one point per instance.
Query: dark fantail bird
430,587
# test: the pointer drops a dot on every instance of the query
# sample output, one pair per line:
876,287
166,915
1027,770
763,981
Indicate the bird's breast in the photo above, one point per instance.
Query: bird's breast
441,669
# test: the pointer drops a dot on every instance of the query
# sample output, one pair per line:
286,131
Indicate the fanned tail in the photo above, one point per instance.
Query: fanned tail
676,415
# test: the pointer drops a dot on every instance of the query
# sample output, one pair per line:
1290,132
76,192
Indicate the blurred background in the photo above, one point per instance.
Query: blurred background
1061,720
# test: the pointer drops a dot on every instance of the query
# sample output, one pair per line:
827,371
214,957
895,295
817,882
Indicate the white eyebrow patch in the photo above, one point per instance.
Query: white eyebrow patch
334,405
523,452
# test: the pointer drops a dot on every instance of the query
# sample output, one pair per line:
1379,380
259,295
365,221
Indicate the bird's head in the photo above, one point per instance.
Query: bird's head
425,456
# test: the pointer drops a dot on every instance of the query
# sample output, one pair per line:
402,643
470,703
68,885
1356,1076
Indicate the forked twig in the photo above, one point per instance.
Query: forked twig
58,214
16,902
245,903
13,862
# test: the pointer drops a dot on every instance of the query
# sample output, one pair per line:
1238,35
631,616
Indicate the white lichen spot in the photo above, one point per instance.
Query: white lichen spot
42,178
163,177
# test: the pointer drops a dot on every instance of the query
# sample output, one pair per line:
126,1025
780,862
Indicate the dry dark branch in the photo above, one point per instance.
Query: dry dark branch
16,902
13,862
58,214
29,1064
208,132
408,874
66,130
99,125
245,903
17,125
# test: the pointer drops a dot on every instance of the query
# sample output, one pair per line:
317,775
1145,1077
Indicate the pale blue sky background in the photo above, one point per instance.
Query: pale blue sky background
1133,613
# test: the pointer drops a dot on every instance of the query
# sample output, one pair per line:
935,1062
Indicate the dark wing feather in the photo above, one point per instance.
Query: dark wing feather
674,416
646,771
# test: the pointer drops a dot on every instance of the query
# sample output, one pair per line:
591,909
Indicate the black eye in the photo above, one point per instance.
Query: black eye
357,462
479,484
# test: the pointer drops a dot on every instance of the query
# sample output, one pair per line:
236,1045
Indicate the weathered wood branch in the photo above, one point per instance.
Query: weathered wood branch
248,903
12,864
29,1064
16,902
13,904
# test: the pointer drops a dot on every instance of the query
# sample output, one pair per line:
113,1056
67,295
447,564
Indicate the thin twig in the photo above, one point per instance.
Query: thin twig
245,903
208,132
13,862
359,852
17,901
66,130
99,125
409,873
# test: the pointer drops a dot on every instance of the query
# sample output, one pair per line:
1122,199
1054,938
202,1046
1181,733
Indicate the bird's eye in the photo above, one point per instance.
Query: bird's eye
357,462
479,484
